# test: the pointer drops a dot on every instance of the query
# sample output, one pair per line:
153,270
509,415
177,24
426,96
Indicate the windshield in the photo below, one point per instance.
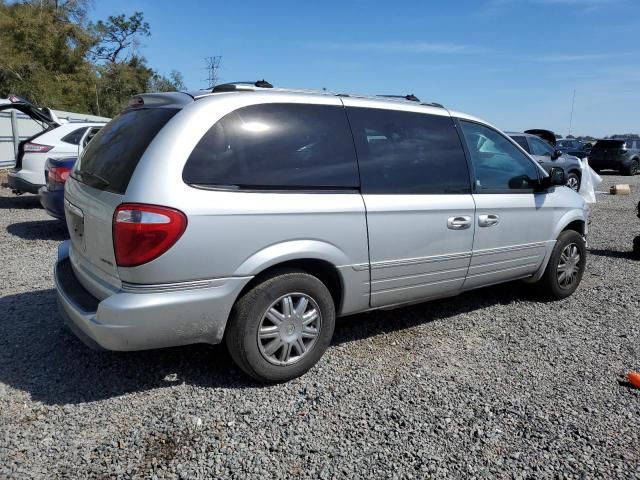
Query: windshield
113,154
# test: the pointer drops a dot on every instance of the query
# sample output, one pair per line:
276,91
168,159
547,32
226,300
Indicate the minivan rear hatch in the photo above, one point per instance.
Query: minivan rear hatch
98,183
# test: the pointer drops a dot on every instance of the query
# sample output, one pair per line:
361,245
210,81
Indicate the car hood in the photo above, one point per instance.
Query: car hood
43,115
547,135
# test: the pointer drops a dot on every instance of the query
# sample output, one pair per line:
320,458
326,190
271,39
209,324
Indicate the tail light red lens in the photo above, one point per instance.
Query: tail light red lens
142,233
58,174
36,147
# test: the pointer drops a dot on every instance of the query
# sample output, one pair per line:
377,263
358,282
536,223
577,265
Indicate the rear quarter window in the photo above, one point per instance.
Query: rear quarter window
111,157
74,137
522,141
276,146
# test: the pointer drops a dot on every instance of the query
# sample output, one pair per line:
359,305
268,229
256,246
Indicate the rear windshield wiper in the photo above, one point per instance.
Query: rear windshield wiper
93,178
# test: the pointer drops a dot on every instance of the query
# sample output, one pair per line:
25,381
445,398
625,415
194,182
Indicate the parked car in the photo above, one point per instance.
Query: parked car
618,154
255,216
575,148
58,140
57,171
548,156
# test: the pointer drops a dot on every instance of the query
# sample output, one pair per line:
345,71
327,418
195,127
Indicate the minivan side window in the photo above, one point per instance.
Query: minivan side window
276,146
500,167
408,152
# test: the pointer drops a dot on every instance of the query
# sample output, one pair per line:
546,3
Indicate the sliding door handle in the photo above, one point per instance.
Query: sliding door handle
458,223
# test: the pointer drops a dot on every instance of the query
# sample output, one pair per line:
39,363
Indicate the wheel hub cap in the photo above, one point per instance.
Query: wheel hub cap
569,266
289,329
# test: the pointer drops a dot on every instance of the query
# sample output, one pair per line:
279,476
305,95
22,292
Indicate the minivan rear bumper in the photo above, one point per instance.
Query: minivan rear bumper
128,321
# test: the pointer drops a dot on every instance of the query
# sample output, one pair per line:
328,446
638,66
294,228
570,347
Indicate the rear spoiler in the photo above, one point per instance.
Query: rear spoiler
547,135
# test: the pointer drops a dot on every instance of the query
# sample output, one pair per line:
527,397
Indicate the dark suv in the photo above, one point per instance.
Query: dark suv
616,154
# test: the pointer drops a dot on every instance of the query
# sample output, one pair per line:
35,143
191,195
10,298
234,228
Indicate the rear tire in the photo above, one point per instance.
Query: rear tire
566,266
273,334
633,168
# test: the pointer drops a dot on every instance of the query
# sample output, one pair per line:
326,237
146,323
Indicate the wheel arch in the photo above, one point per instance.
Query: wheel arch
320,259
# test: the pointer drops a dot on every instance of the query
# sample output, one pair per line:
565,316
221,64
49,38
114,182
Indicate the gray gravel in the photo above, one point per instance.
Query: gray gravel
494,383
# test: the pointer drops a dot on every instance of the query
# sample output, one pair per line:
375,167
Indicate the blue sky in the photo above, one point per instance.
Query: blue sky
514,63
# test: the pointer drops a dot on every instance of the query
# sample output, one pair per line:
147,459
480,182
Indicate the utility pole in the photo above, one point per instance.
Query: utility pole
573,102
213,65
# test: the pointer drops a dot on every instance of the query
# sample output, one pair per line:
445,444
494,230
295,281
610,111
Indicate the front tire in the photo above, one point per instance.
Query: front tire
281,327
566,266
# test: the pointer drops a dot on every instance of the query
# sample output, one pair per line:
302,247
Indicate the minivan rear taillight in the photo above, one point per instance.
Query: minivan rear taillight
143,232
36,147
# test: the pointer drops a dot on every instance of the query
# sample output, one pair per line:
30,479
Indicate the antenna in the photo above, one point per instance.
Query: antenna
573,102
213,65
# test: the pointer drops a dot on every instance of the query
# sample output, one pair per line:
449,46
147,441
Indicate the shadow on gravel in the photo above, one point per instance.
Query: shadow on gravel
40,356
39,230
20,202
613,254
366,325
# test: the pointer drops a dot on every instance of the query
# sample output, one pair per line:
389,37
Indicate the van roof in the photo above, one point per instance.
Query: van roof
263,86
179,99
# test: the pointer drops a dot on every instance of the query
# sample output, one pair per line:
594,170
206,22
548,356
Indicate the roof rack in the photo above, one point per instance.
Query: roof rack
237,86
411,97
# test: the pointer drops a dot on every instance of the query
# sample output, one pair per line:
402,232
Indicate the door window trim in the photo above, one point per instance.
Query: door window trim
472,169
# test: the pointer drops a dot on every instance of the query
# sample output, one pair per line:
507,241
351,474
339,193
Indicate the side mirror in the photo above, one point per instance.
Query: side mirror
556,177
556,154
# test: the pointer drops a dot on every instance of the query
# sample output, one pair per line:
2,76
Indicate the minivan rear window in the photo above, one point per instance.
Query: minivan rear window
113,154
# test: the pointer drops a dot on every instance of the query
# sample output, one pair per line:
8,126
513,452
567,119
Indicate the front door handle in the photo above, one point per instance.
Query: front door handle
458,223
488,220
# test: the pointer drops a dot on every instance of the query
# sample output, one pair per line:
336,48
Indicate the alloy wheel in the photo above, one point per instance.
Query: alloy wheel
569,266
289,329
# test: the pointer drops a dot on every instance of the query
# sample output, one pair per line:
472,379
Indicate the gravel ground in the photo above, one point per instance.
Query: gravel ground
494,383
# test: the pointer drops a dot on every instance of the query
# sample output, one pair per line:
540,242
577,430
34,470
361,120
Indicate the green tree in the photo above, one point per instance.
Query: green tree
116,36
43,56
50,55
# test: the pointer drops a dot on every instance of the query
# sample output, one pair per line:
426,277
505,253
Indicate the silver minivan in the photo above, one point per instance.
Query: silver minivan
255,216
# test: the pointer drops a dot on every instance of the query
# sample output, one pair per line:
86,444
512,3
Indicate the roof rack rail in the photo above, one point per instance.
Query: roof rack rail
433,104
237,86
411,97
